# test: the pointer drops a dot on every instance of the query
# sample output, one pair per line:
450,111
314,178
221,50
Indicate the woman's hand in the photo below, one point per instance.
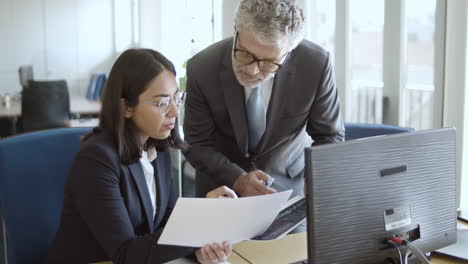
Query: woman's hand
214,253
222,191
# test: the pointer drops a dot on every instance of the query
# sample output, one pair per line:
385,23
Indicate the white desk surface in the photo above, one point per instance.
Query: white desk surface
78,105
84,122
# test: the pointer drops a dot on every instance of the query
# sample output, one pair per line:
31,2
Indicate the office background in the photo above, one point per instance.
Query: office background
399,62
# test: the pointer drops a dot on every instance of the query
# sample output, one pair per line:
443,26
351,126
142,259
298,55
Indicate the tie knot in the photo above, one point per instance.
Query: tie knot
255,90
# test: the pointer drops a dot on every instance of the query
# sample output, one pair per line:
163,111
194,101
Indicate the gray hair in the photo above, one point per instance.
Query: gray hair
272,20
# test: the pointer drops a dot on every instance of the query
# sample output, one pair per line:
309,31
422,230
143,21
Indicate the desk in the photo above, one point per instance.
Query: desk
268,252
87,122
440,259
273,251
78,105
233,259
296,244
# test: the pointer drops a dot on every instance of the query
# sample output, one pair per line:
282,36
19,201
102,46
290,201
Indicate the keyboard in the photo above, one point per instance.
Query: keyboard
287,219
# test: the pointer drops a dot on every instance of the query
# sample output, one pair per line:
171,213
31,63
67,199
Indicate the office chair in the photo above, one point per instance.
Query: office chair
354,130
33,168
45,105
2,242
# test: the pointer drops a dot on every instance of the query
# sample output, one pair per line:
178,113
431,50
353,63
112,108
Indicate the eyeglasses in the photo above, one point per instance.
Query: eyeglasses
165,104
246,58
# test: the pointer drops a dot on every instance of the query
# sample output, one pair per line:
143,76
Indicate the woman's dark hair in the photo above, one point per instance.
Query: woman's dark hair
129,77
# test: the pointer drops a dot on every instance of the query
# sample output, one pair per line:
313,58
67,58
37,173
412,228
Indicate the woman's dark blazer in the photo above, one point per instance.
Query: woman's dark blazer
107,212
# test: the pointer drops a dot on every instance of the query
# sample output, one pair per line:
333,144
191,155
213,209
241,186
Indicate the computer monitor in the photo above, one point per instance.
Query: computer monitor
362,192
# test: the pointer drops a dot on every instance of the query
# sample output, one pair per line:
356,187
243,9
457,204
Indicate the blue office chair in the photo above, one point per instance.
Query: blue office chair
33,168
354,130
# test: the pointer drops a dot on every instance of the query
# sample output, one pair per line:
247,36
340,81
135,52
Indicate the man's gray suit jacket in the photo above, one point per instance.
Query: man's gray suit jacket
304,102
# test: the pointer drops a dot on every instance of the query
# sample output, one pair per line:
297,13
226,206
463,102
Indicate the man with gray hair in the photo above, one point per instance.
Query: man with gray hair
255,100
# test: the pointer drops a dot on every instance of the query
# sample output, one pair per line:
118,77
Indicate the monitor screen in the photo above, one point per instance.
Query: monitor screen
362,192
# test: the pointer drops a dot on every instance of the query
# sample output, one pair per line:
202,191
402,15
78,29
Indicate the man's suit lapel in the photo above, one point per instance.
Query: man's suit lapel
282,88
234,97
137,172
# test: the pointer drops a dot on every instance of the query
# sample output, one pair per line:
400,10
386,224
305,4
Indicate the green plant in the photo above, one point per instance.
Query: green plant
183,80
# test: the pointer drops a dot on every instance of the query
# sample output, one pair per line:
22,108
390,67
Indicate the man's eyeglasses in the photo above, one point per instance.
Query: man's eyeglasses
246,58
165,104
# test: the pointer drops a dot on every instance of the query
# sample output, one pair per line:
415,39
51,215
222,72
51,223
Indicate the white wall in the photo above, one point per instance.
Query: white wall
21,32
71,39
150,21
61,39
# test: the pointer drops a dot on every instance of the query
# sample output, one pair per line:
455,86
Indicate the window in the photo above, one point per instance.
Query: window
419,87
321,28
390,62
385,54
367,29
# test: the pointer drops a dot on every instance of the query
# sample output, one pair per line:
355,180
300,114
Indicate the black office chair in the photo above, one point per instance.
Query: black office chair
26,74
45,105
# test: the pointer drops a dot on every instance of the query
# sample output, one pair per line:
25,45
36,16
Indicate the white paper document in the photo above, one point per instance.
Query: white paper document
195,222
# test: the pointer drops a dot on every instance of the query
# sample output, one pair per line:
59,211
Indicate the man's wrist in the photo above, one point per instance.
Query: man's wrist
236,186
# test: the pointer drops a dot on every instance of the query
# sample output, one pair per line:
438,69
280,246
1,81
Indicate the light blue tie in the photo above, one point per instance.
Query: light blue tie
256,118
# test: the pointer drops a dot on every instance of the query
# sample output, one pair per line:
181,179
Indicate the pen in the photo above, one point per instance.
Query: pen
269,183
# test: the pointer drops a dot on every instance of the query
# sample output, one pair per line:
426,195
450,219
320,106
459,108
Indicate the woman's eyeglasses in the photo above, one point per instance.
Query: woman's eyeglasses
165,104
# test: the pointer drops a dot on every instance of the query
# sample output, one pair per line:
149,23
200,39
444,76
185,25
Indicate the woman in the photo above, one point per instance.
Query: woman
119,193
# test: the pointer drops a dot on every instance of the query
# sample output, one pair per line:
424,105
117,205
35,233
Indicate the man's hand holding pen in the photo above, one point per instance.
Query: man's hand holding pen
253,183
